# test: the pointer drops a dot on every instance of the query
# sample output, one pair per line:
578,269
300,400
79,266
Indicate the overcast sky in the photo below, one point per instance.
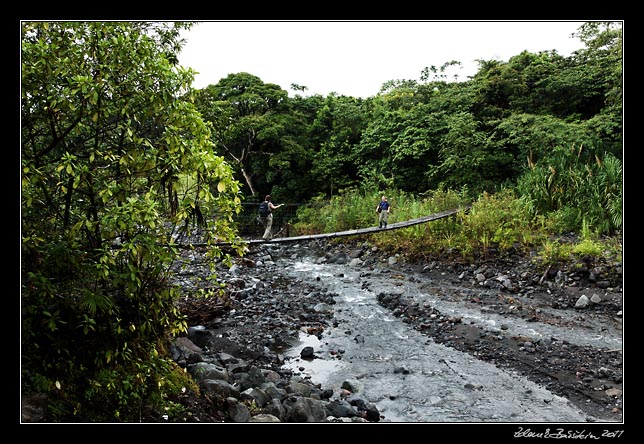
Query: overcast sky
355,58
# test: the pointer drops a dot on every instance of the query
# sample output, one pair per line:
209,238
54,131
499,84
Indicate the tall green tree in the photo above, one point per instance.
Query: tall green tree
250,124
603,57
398,148
114,164
336,129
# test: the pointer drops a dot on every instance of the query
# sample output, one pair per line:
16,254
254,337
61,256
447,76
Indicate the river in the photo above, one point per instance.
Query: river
408,376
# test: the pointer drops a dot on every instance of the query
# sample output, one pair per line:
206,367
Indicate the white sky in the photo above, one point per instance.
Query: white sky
354,58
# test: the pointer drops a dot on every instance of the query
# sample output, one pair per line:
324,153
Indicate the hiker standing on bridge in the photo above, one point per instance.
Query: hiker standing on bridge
266,215
383,211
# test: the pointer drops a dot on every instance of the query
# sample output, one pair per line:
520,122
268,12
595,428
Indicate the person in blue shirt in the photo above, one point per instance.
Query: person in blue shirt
383,211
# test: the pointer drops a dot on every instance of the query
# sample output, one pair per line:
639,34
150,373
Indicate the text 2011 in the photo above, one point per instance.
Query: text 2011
612,433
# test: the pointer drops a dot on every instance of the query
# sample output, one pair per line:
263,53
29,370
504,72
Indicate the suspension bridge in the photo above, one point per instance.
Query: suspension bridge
357,231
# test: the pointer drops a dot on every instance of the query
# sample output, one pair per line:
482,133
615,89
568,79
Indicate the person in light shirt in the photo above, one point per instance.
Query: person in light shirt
268,219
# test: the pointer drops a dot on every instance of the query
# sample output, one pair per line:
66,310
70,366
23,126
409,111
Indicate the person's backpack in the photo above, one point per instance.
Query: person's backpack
264,211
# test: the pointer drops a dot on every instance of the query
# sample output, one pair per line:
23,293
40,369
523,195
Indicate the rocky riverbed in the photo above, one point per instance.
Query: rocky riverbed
240,347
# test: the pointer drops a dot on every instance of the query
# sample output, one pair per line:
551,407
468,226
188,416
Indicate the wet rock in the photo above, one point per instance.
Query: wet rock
351,386
255,395
340,408
34,408
307,353
203,370
582,302
301,409
264,417
218,387
237,411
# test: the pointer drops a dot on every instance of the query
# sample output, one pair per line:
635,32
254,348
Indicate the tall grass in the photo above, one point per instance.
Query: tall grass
574,185
352,209
495,223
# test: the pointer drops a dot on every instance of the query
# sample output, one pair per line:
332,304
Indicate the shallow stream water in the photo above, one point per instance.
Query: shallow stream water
408,376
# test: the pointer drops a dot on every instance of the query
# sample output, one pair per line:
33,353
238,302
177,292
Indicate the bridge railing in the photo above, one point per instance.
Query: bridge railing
283,219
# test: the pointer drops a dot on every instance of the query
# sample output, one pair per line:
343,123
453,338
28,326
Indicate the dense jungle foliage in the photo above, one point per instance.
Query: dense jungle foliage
120,157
